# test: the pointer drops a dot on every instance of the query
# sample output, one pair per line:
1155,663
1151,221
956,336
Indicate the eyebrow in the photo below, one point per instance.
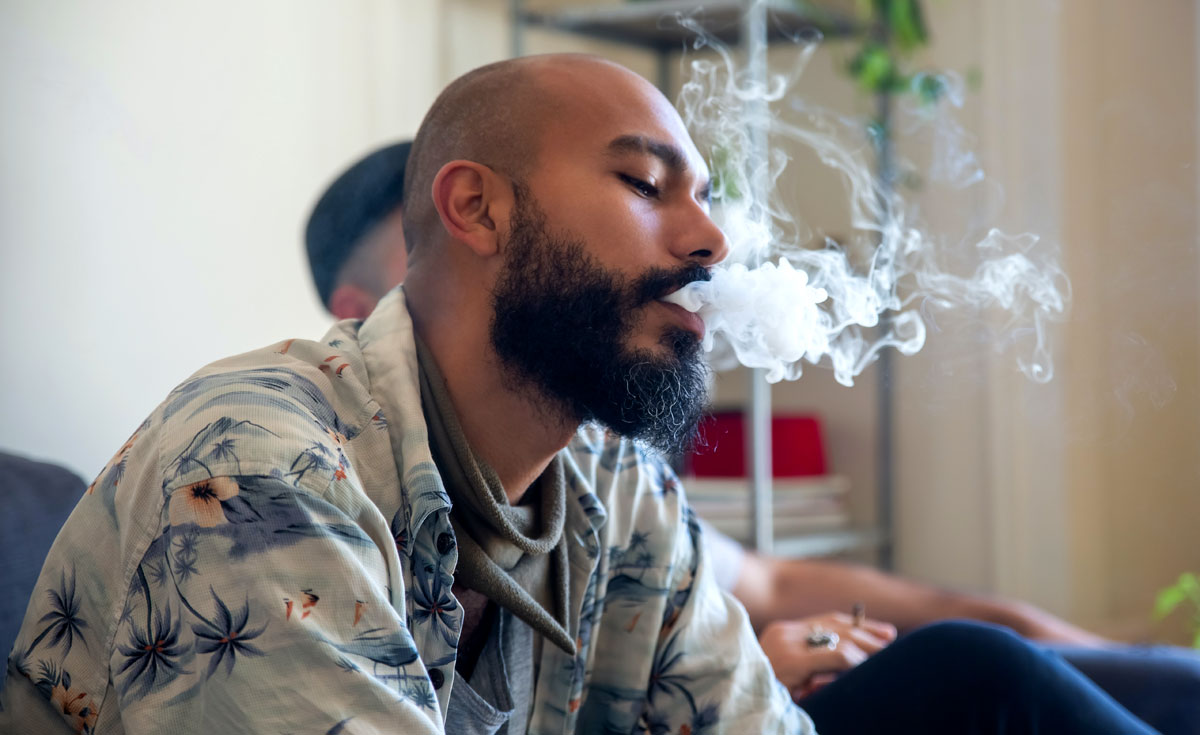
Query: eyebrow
670,154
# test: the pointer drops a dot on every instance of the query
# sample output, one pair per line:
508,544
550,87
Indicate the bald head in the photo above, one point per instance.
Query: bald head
497,115
553,202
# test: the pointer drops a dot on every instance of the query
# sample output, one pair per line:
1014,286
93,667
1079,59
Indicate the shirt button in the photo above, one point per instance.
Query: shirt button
437,677
445,543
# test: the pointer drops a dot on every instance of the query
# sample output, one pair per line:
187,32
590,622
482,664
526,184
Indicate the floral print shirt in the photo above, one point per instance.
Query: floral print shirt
271,552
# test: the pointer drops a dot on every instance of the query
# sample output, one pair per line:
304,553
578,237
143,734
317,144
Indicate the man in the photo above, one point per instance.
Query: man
415,525
274,549
1161,685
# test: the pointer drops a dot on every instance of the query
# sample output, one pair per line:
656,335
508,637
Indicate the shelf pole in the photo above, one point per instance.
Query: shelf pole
885,393
516,35
754,41
885,399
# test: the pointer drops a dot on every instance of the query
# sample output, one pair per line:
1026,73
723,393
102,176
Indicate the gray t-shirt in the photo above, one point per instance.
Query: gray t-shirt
498,697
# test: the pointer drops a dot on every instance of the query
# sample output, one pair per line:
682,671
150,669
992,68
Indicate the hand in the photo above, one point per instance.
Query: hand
804,669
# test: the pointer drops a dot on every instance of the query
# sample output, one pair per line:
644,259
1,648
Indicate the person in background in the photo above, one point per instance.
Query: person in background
353,238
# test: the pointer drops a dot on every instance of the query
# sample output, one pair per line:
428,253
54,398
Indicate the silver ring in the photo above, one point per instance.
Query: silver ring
821,638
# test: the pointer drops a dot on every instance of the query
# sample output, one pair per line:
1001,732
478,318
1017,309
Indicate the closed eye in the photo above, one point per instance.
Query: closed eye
644,188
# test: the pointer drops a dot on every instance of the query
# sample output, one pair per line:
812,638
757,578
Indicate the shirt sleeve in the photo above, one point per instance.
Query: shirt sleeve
709,673
264,608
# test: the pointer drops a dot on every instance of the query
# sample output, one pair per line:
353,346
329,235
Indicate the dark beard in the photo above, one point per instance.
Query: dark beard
561,326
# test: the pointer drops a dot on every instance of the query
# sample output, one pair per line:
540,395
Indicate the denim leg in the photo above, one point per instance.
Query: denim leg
967,678
1160,684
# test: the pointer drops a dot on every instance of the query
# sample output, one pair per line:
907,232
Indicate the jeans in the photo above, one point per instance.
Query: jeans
1160,684
967,678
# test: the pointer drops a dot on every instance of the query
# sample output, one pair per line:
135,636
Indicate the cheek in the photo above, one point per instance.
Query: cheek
621,230
629,237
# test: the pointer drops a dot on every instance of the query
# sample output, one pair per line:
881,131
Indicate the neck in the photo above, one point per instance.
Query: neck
513,431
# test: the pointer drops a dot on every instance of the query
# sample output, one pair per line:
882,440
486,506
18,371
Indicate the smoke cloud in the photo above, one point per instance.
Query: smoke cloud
785,297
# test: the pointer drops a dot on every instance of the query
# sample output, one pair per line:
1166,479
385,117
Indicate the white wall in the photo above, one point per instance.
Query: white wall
159,160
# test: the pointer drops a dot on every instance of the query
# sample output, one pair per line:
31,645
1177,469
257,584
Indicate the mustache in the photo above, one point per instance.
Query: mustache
659,282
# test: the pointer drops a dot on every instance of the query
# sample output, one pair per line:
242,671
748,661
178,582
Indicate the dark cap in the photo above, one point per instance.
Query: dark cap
358,200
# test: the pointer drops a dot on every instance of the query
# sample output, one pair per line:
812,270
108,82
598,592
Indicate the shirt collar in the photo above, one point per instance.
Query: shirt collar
387,342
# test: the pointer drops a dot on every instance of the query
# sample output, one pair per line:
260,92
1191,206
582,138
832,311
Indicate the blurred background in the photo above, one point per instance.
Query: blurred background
159,161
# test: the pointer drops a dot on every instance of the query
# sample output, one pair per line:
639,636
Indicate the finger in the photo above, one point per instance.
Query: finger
880,629
789,634
846,656
865,640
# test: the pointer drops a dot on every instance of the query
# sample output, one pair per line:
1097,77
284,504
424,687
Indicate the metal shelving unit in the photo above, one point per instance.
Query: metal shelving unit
642,24
752,25
830,543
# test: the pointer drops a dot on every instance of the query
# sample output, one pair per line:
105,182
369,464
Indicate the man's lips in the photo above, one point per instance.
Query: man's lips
688,320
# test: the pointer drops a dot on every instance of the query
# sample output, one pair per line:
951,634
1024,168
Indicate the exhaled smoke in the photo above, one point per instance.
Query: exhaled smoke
779,301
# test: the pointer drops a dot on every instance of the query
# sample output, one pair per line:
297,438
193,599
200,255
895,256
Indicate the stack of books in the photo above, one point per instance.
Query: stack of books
800,505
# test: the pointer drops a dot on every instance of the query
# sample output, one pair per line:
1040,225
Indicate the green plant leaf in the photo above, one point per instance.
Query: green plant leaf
1168,599
907,25
873,68
724,181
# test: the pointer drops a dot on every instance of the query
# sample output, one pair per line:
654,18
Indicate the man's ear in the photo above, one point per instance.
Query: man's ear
470,199
351,302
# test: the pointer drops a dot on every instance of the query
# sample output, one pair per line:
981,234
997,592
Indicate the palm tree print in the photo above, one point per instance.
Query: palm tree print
214,443
152,654
226,636
186,555
126,611
114,471
289,393
704,719
158,572
64,622
394,649
420,693
317,458
636,557
433,600
47,678
666,682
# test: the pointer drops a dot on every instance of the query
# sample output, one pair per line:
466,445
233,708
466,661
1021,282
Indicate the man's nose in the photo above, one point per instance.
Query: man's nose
701,240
